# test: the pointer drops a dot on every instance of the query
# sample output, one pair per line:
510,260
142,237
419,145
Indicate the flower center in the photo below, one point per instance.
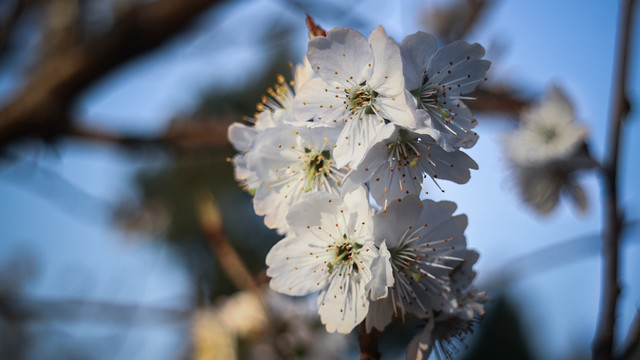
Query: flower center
403,149
427,98
317,166
403,259
344,251
548,134
361,98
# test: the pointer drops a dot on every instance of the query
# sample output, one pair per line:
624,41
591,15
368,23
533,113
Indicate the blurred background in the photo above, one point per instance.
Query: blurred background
113,156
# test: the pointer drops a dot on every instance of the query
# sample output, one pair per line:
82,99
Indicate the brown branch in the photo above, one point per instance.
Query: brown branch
497,99
605,332
182,134
368,344
228,259
7,28
42,107
632,342
26,309
477,8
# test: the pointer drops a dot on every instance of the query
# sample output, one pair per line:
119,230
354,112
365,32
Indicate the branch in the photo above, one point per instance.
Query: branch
42,107
227,257
476,10
605,333
7,28
26,309
632,342
368,344
182,134
497,99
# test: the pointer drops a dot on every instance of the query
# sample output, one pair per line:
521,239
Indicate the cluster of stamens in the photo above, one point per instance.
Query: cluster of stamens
280,95
361,98
344,255
317,167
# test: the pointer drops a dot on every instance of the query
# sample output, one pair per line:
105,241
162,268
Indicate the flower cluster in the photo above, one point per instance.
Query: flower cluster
337,161
547,151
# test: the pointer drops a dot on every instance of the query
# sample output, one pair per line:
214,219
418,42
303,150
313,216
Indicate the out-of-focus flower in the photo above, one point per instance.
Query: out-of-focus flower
243,314
548,132
211,339
546,152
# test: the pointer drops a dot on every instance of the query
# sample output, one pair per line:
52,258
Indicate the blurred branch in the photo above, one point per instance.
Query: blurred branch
368,344
605,333
477,8
42,108
632,342
7,28
26,309
227,257
497,99
182,134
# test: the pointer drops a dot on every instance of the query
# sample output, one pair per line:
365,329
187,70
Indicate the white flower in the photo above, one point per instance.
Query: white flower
426,242
546,152
439,82
329,249
243,314
242,138
398,163
447,329
440,336
290,162
359,87
547,132
278,112
282,95
211,340
541,185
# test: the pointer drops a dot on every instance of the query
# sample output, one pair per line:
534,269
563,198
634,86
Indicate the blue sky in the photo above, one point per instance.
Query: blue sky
545,42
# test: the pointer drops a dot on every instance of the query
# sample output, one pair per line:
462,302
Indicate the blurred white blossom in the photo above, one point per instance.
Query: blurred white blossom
546,152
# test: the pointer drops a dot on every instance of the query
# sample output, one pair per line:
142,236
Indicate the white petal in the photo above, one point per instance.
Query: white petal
382,274
342,54
380,314
356,138
421,345
387,78
291,268
417,50
240,136
317,99
343,305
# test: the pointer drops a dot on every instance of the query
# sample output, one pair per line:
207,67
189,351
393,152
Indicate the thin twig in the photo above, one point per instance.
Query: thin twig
605,333
227,257
368,344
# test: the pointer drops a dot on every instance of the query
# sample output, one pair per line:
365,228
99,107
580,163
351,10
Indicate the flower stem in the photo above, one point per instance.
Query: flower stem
604,338
368,344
